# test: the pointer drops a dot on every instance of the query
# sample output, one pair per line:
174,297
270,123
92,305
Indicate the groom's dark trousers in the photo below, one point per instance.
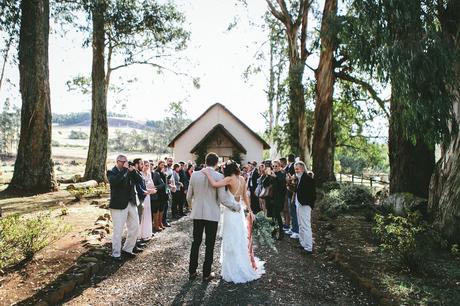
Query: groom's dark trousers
210,229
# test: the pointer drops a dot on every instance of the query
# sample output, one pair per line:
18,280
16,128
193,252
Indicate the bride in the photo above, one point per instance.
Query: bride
238,262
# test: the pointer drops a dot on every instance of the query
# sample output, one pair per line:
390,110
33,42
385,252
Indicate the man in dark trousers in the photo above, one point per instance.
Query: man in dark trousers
205,202
123,206
305,196
252,185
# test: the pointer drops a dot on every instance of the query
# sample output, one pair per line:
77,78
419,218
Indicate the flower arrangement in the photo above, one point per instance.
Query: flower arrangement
263,229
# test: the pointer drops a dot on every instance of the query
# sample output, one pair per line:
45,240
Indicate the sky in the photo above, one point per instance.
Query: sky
214,55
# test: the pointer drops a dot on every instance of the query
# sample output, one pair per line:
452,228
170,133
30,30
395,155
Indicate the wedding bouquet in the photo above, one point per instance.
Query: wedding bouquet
262,230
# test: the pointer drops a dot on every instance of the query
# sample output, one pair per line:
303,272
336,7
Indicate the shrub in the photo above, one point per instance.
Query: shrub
21,238
332,204
344,199
408,239
357,196
89,192
77,135
328,186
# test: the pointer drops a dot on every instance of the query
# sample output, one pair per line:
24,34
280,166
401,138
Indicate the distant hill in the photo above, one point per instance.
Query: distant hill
117,123
84,120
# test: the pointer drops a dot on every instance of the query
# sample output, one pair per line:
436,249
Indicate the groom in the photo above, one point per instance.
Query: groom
204,201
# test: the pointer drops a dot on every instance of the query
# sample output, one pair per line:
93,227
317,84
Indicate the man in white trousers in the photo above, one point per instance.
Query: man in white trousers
305,197
123,206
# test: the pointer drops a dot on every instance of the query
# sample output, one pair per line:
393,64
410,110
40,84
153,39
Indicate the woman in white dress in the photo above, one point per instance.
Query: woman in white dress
238,263
145,228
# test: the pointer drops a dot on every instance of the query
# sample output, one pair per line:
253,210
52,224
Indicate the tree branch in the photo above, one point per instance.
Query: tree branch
278,15
368,87
150,64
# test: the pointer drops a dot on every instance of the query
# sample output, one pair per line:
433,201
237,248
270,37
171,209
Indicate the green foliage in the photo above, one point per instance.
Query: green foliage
157,137
408,239
10,124
21,238
262,230
78,135
405,43
341,199
329,186
354,116
80,193
332,204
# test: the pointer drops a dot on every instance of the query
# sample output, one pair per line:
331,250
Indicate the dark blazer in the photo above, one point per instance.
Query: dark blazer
122,184
183,179
253,178
141,189
306,190
159,179
290,169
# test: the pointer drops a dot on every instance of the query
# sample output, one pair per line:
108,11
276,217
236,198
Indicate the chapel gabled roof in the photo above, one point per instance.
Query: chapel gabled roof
211,133
266,146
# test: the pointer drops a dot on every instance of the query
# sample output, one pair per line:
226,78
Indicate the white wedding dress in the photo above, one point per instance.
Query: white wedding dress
234,255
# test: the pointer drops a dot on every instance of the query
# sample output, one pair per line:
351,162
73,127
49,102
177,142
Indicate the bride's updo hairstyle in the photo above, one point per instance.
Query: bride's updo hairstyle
231,167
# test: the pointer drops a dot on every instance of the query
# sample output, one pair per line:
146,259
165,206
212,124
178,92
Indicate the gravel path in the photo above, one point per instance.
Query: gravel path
159,276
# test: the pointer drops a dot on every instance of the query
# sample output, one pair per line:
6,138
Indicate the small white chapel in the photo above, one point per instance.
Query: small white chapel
218,130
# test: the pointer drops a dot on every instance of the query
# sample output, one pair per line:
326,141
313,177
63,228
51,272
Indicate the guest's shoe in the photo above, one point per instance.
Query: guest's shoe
167,224
141,244
289,232
116,259
286,227
192,276
209,278
295,236
128,254
138,250
308,252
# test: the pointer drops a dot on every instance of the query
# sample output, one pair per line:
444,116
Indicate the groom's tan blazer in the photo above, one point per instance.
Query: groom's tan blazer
205,200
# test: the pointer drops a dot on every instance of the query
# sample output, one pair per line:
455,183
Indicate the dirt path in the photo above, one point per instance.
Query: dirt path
159,276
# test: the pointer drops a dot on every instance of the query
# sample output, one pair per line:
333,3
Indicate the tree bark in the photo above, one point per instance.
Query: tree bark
444,199
296,35
411,166
323,137
33,169
97,150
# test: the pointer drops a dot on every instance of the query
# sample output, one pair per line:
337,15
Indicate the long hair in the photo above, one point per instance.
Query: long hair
231,167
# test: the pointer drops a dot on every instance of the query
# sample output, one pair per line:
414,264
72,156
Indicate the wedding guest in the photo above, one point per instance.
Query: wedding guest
176,193
123,206
290,177
305,196
160,199
286,212
276,202
145,230
184,179
169,185
260,179
252,186
140,187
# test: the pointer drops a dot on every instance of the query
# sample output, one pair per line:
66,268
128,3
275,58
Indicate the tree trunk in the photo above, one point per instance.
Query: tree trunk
323,138
33,169
444,200
411,166
300,139
97,150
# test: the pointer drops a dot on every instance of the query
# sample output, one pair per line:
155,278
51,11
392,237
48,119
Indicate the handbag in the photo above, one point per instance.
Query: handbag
266,192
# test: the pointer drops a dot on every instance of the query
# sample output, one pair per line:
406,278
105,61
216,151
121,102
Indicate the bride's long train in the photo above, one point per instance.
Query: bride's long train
239,265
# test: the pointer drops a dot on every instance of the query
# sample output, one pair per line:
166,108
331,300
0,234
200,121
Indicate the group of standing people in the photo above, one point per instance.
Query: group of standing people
141,193
284,188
